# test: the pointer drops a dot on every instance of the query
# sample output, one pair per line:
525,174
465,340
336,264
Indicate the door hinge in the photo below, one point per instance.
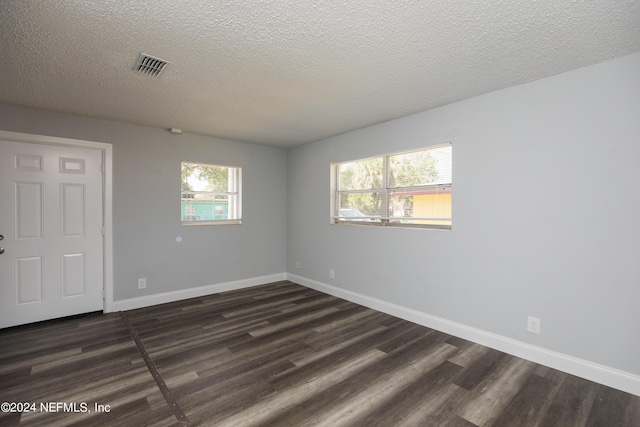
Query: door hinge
103,231
102,167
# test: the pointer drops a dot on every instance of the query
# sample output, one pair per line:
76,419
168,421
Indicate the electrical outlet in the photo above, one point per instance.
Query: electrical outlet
142,283
533,325
298,264
332,274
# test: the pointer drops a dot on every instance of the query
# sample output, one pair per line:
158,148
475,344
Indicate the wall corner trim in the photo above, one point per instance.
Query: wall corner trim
165,297
601,374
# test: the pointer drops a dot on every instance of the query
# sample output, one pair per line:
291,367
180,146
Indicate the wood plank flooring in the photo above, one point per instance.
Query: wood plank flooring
284,355
87,359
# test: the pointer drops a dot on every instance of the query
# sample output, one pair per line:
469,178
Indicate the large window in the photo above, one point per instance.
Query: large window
211,194
411,189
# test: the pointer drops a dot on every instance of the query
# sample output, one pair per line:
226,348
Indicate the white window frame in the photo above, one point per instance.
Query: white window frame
385,193
233,193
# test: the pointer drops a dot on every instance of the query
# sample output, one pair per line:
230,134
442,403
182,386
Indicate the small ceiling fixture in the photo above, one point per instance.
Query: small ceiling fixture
150,65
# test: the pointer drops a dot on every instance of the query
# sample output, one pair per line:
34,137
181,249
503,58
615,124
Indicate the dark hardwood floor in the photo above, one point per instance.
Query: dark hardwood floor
283,355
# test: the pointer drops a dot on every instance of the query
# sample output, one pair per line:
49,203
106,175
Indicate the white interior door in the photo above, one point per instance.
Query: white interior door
51,220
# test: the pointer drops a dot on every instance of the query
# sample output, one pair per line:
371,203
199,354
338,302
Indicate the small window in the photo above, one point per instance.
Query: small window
409,189
211,194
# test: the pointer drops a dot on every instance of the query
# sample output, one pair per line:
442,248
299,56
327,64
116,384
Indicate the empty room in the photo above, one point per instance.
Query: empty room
354,213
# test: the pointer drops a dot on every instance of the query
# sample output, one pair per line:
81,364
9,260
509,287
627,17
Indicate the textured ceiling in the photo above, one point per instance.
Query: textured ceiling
286,72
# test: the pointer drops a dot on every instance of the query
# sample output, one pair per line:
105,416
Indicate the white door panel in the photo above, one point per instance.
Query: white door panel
51,220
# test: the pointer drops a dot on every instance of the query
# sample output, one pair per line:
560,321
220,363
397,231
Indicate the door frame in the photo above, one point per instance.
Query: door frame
107,197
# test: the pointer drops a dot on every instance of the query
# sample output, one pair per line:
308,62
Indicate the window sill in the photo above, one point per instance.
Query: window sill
218,222
393,225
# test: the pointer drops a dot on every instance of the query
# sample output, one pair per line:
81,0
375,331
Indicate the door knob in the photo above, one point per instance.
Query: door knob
1,251
1,237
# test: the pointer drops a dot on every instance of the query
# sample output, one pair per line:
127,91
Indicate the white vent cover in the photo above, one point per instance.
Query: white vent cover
150,65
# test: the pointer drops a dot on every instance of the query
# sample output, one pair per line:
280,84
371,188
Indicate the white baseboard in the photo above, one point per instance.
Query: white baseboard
155,299
611,377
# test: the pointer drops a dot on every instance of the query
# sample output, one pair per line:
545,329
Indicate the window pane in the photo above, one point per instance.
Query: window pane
431,206
206,207
420,167
203,177
359,205
361,175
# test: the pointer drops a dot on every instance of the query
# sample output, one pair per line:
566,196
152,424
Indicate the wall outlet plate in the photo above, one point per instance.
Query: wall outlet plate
142,283
533,325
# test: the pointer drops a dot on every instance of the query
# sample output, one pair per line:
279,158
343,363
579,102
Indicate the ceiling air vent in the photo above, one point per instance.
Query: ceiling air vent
150,65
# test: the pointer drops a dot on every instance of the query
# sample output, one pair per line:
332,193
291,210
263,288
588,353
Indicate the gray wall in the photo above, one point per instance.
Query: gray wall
546,215
146,203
